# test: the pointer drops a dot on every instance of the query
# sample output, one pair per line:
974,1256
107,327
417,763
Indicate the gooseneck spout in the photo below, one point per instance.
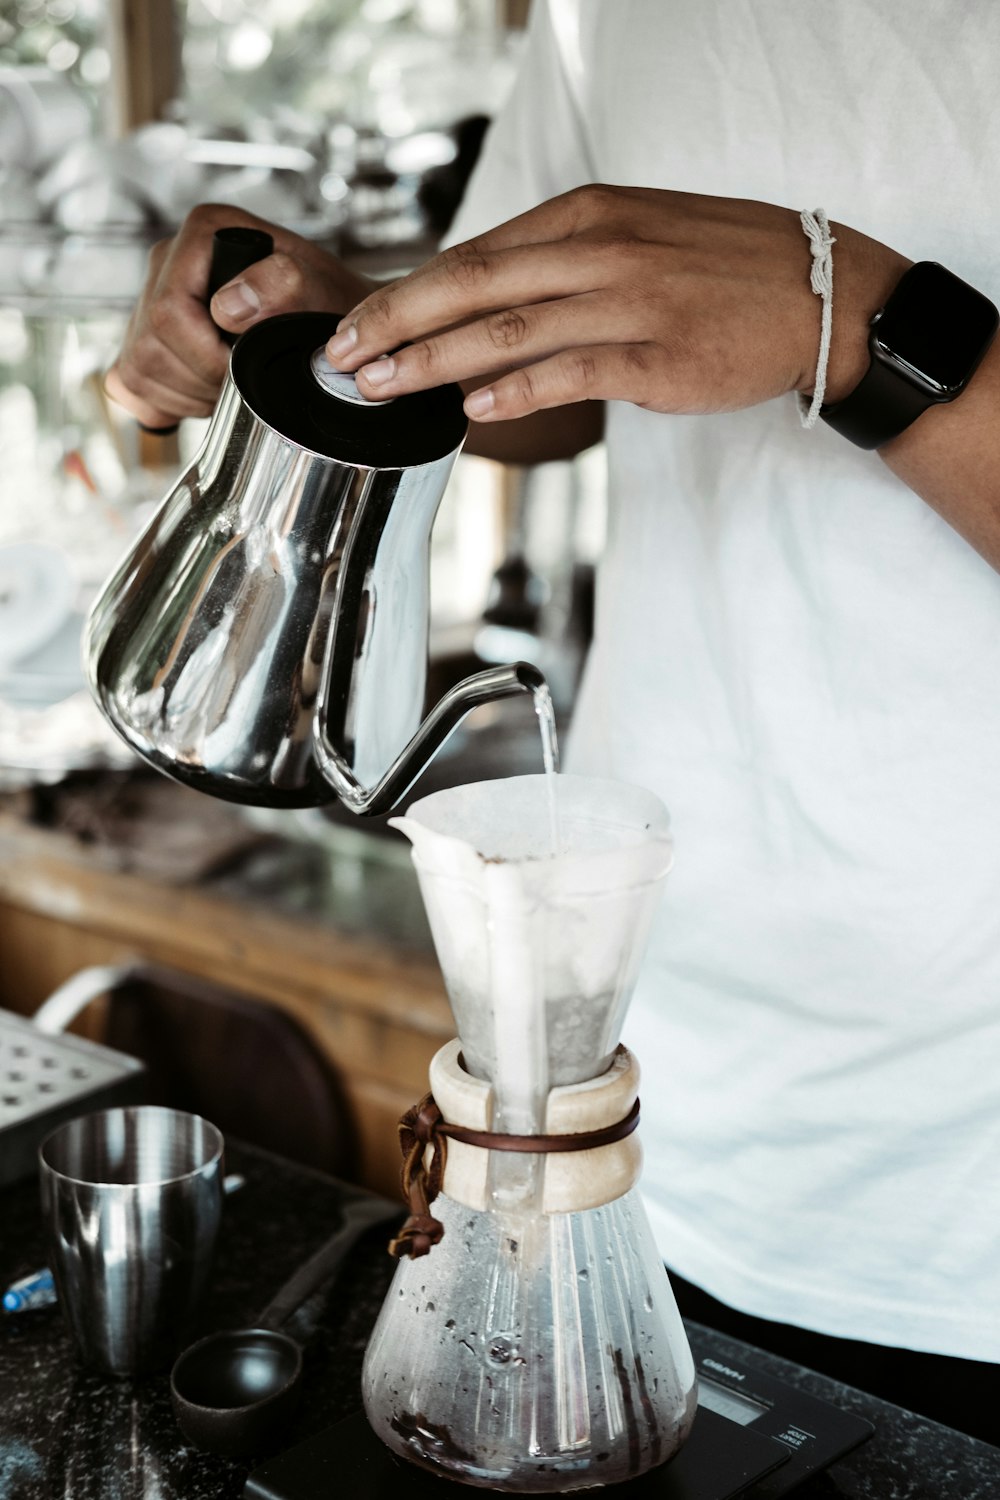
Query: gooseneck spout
443,719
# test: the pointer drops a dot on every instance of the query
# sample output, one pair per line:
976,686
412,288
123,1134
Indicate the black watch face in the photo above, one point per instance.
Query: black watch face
936,328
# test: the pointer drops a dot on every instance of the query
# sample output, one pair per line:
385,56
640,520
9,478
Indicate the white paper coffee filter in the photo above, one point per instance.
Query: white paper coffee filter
534,944
610,832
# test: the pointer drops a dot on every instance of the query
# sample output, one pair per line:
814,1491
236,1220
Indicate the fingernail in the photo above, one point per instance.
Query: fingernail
379,373
342,343
238,301
480,402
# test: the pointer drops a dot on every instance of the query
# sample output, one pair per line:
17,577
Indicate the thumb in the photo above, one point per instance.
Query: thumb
282,283
236,306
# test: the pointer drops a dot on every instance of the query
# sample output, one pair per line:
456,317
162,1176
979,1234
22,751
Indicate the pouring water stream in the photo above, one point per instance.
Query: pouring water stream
545,713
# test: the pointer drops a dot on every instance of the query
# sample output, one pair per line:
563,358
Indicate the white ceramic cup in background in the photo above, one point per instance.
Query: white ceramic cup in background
132,1200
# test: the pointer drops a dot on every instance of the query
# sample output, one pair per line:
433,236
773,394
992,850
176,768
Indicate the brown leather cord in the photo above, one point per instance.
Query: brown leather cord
422,1126
419,1128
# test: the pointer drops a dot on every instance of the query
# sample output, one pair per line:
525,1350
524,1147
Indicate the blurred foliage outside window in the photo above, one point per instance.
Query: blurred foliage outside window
394,66
64,35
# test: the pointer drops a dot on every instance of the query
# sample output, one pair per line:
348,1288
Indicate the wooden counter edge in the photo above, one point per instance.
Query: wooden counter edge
50,874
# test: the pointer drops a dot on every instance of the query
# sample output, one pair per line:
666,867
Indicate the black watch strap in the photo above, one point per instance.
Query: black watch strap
879,408
926,344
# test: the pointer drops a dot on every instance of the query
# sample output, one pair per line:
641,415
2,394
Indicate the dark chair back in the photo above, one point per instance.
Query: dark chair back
243,1063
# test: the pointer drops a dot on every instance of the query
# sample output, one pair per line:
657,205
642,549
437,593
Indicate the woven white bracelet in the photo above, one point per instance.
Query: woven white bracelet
821,242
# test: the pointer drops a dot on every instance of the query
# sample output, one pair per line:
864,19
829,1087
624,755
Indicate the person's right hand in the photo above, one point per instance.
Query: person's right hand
173,362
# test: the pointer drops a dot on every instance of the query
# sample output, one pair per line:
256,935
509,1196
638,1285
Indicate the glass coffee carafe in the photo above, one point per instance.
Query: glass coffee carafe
530,1340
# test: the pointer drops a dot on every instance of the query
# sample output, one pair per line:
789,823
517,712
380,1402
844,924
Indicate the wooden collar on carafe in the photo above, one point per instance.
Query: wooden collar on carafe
423,1169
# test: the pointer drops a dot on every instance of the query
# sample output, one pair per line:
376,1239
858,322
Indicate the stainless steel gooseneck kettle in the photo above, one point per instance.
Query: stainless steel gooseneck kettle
266,638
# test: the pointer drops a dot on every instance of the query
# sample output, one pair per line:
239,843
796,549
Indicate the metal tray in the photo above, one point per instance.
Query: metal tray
46,1079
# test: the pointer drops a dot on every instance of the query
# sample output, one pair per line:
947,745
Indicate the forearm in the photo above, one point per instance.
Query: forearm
950,457
676,303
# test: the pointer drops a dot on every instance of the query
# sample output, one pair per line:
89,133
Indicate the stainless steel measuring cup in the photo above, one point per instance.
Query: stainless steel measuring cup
132,1200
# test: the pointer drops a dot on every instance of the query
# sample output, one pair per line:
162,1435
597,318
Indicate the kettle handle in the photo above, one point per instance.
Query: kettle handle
234,249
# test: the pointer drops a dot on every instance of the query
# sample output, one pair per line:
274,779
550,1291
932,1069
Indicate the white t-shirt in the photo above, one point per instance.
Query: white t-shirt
803,660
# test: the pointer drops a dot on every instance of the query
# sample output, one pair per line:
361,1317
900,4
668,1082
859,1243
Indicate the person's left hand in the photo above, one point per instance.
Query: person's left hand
672,301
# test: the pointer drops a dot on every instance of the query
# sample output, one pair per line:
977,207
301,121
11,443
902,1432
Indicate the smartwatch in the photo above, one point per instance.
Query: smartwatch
925,344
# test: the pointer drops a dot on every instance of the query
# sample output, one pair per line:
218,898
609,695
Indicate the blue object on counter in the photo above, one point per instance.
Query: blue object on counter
37,1290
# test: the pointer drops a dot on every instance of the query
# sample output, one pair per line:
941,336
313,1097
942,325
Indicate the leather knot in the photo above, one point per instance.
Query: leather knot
420,1182
419,1234
422,1120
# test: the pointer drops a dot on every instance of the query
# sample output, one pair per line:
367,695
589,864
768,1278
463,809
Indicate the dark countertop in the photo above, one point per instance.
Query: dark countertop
67,1433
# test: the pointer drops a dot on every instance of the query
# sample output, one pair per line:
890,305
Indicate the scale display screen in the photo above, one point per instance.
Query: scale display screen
729,1403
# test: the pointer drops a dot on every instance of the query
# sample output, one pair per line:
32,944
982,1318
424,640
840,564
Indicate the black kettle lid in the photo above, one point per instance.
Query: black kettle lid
272,368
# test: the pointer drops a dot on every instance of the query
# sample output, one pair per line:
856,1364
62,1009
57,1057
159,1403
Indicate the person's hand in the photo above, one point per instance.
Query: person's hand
172,362
676,302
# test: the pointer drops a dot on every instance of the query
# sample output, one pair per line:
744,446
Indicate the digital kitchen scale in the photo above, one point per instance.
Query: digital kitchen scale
813,1433
753,1436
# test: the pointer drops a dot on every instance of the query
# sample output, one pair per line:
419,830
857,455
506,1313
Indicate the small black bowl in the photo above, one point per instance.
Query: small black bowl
234,1392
